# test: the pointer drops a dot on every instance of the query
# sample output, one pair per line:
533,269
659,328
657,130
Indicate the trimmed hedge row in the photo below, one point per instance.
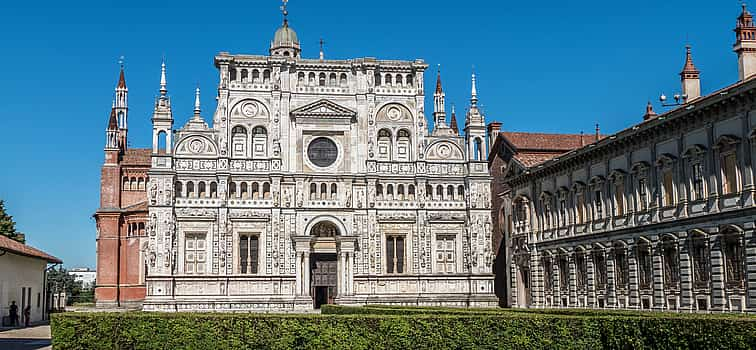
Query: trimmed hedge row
419,328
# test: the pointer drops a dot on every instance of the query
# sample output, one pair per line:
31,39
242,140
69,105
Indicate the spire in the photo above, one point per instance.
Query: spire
650,114
453,121
474,94
322,54
439,106
689,67
439,89
163,84
113,122
197,103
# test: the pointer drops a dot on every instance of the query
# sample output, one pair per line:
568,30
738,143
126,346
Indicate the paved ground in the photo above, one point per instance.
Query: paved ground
32,338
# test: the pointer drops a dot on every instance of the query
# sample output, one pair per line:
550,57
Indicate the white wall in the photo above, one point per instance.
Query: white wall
17,272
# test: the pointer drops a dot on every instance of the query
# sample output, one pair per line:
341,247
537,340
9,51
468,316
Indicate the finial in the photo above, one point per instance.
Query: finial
163,84
474,95
197,101
453,109
322,54
121,61
285,12
598,132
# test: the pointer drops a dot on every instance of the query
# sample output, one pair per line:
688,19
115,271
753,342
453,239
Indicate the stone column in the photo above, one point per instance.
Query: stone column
591,287
686,273
341,268
307,273
298,267
750,268
611,291
537,279
659,302
513,292
556,285
632,267
717,273
572,280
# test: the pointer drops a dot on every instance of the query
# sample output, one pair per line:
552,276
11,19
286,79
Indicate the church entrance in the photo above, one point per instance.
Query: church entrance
323,284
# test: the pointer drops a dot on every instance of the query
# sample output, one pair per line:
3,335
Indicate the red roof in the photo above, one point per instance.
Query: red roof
535,148
121,80
15,247
112,123
548,142
137,156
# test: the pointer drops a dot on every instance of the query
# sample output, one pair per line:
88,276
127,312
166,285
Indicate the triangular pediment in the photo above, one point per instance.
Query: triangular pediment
323,109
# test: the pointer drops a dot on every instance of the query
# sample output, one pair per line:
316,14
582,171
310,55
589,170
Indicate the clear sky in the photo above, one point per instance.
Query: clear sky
551,66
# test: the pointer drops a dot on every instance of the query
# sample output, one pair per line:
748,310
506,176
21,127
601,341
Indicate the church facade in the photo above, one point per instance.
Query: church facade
318,182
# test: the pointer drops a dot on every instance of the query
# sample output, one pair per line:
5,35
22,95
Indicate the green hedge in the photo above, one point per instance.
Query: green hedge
415,328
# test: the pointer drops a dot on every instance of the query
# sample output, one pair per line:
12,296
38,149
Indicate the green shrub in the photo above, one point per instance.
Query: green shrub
398,328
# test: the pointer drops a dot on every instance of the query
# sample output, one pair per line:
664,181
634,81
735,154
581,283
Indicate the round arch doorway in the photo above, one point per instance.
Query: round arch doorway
324,263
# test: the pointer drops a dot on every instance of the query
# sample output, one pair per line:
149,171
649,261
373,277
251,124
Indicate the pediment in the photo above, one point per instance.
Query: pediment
324,109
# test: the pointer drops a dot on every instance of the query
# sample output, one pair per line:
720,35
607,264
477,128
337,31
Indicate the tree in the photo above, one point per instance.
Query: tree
60,280
7,225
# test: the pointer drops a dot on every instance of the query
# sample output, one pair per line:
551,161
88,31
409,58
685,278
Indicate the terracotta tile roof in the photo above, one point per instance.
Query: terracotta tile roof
531,159
15,247
524,141
137,156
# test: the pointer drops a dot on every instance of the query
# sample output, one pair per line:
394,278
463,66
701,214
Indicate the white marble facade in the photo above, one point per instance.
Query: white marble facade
318,182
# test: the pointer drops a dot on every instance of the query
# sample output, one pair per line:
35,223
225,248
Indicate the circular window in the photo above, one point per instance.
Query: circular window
322,152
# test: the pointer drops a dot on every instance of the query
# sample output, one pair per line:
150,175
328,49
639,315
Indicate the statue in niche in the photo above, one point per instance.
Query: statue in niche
153,258
153,193
360,198
275,199
287,197
152,224
348,202
276,148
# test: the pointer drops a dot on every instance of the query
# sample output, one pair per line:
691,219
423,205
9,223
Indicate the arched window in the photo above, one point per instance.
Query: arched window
301,79
377,79
645,265
313,191
140,229
232,72
140,184
732,249
244,191
699,251
324,229
266,190
439,192
428,192
126,185
255,190
239,141
449,192
399,80
671,263
378,191
323,191
403,145
311,79
178,189
332,79
411,192
384,144
213,190
244,75
133,184
389,192
388,80
162,142
232,189
343,80
322,79
201,190
255,76
478,149
460,192
410,80
190,189
260,142
400,192
266,76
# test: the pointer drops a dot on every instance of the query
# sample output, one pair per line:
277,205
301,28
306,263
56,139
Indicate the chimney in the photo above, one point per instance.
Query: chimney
492,129
598,132
650,114
745,44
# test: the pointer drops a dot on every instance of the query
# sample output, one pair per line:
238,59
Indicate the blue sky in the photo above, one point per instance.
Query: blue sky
552,66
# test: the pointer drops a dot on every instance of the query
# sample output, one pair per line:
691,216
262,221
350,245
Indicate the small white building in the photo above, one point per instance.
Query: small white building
86,275
22,278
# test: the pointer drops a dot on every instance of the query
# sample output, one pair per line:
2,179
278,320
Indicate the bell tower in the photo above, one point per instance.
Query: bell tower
475,128
162,119
745,44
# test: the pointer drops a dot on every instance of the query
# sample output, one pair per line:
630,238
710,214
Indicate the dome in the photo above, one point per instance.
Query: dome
285,36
